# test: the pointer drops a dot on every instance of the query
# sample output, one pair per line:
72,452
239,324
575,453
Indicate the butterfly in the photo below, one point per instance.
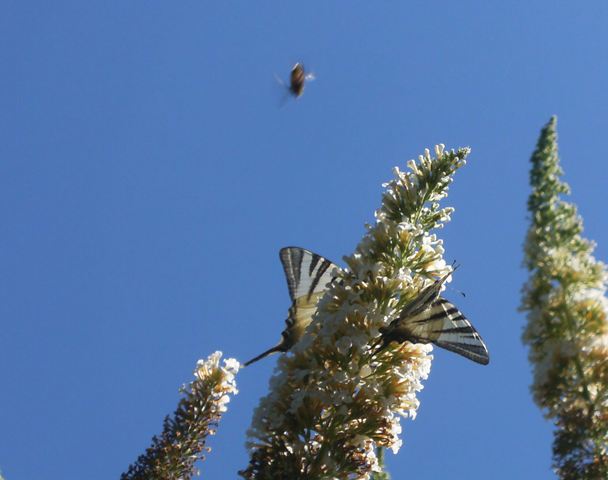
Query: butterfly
429,318
308,275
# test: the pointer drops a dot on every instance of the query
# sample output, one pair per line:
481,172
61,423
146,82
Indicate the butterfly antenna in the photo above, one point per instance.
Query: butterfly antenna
455,266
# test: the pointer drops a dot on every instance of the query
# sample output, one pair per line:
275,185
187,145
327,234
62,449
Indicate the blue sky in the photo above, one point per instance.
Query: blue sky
148,178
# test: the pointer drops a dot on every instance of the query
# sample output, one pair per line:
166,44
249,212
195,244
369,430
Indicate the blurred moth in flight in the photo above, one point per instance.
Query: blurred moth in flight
429,318
297,79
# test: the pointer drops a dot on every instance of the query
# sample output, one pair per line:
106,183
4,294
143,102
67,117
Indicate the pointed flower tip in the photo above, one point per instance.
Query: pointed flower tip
551,124
463,152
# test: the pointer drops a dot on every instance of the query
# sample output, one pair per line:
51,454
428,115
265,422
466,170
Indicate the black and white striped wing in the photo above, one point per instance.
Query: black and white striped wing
427,297
307,273
445,326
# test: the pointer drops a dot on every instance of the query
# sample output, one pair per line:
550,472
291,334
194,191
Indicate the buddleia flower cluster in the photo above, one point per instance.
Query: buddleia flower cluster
173,454
567,330
335,400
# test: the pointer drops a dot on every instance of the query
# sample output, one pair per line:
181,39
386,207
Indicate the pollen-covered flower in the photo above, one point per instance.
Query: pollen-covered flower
334,400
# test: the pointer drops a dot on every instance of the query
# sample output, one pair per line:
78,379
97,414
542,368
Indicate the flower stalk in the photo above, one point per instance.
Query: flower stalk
173,454
335,400
567,329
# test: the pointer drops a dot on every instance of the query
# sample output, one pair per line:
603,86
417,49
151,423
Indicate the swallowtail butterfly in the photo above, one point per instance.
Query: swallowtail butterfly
429,318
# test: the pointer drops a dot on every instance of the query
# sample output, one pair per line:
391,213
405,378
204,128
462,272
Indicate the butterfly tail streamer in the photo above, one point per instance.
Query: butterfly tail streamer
275,349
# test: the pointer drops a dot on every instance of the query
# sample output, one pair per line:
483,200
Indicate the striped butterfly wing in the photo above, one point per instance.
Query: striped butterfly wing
446,326
308,275
426,298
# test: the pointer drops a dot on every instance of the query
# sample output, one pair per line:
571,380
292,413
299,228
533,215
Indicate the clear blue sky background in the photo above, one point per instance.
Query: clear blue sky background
148,178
